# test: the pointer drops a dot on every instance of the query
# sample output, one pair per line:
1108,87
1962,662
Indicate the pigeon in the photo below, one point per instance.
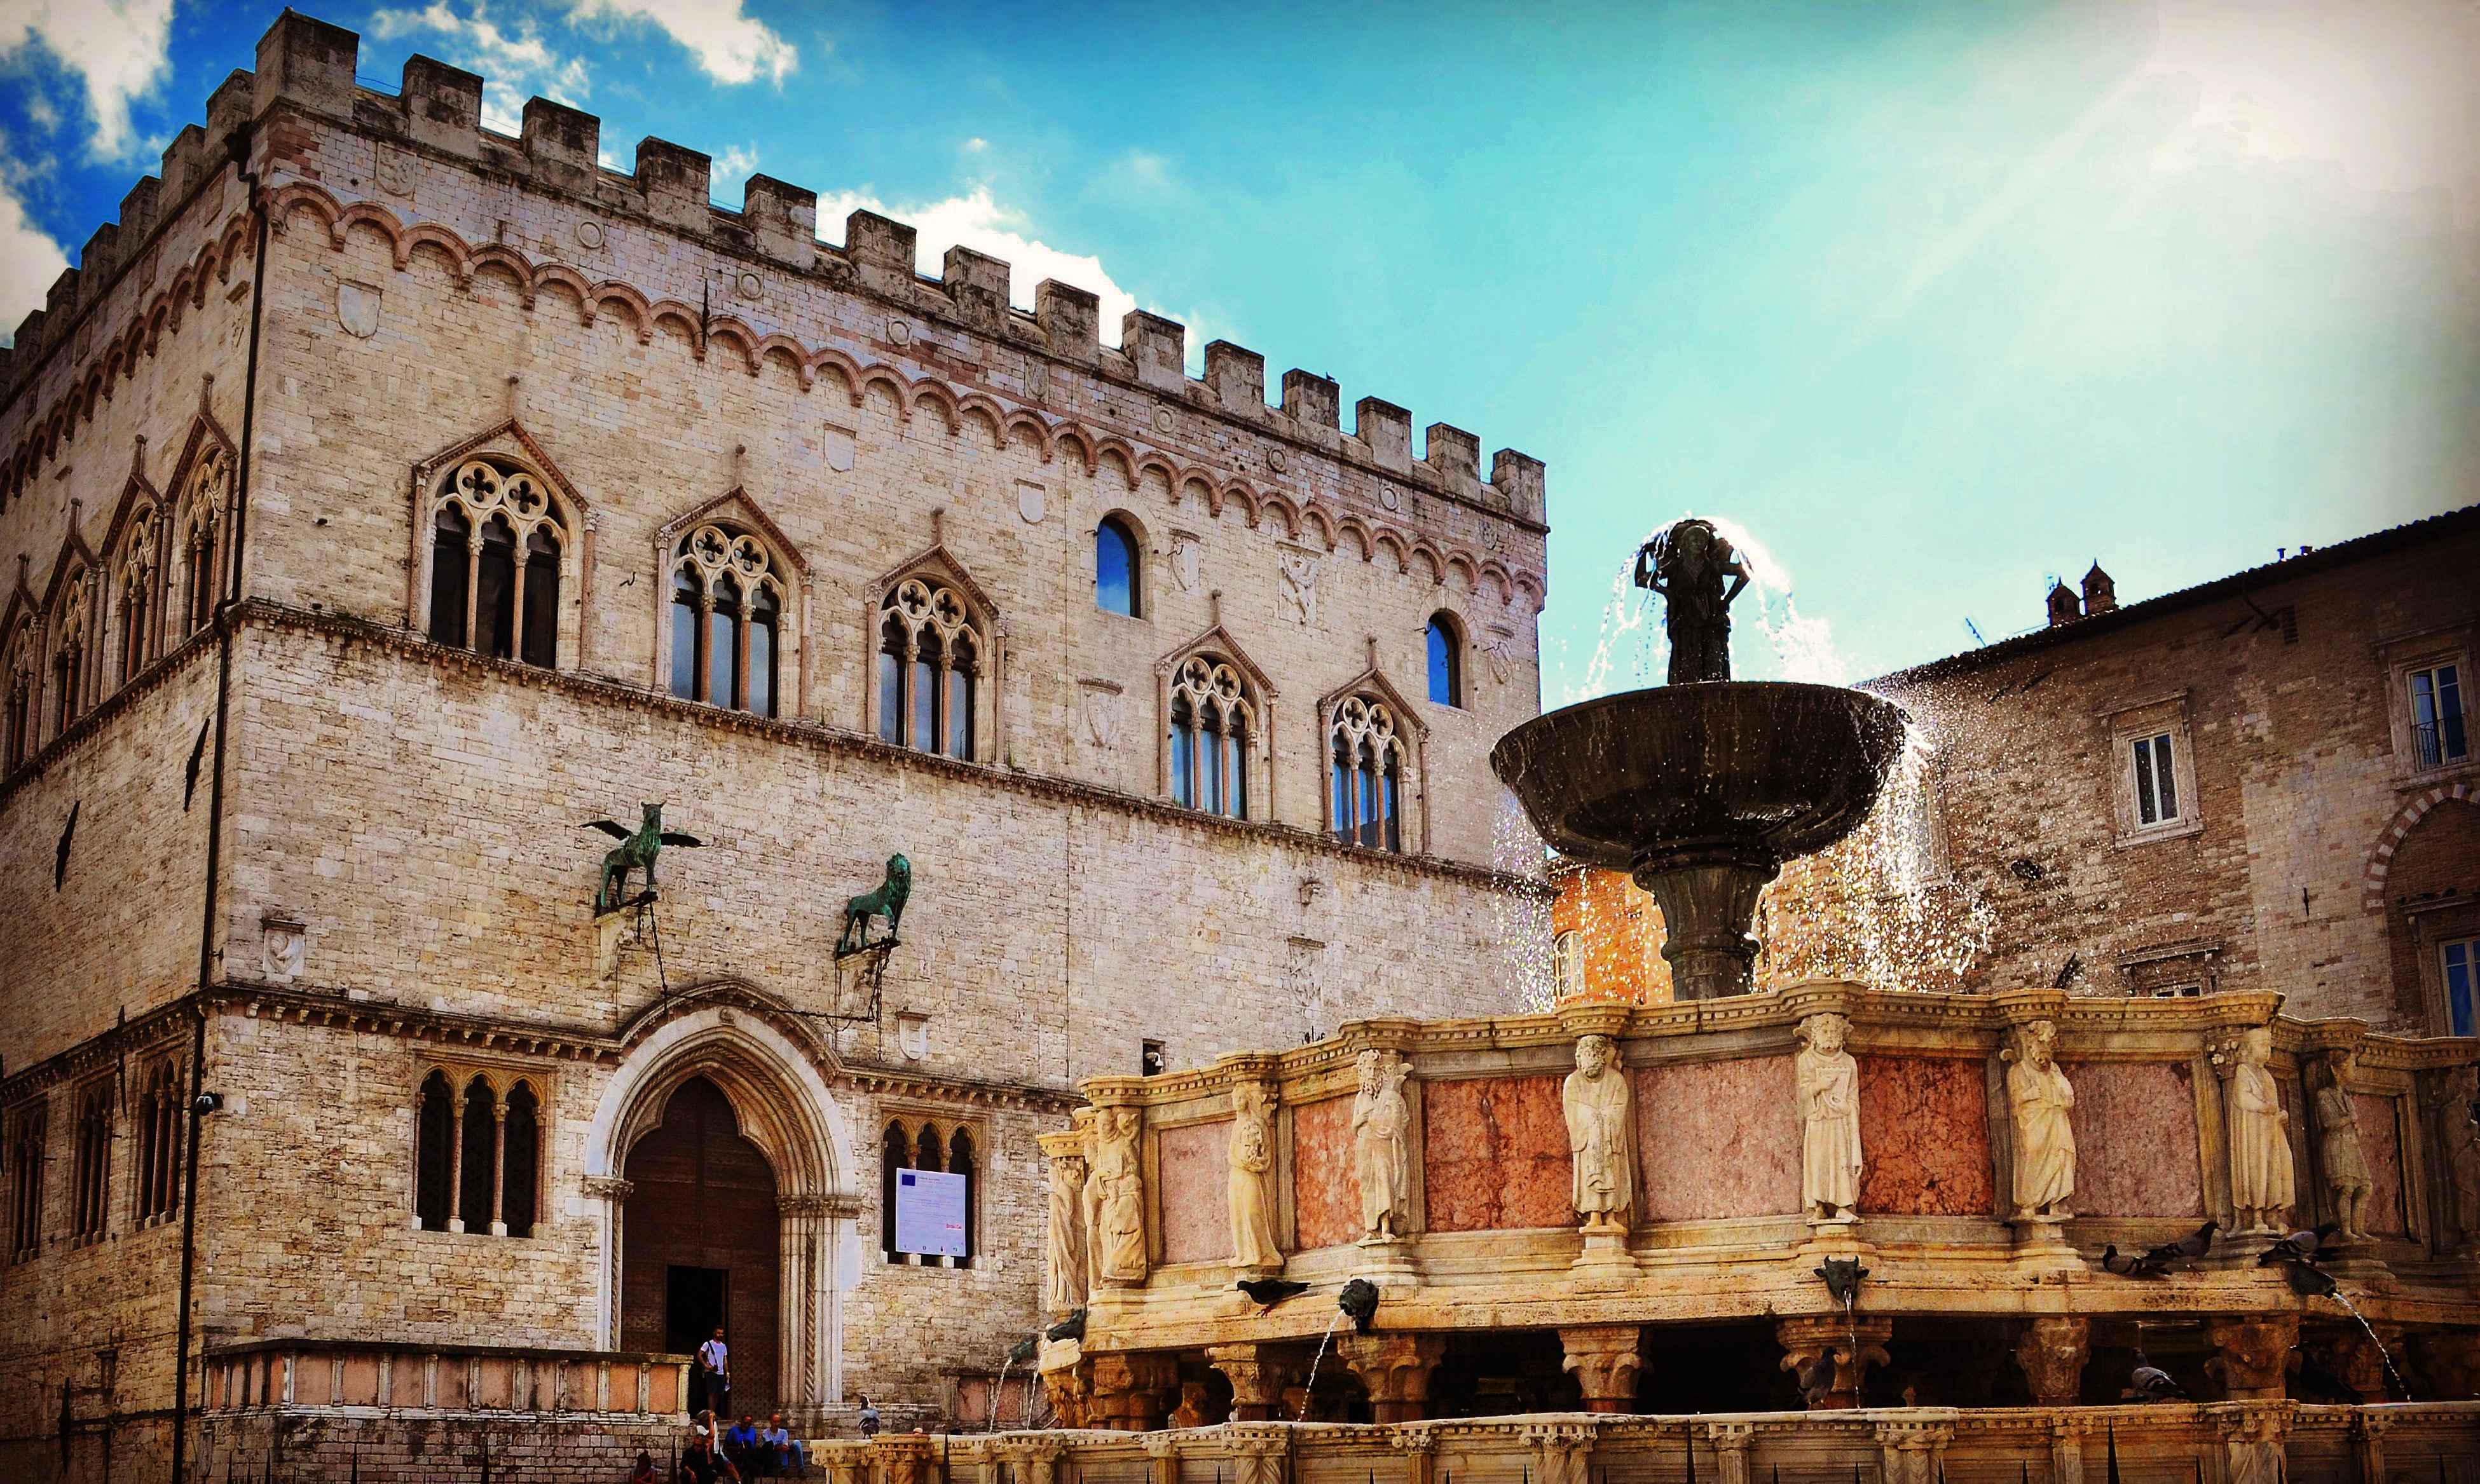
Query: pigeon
2318,1384
2131,1266
1270,1291
2193,1246
2298,1246
1072,1328
1816,1378
2149,1382
1360,1299
2308,1281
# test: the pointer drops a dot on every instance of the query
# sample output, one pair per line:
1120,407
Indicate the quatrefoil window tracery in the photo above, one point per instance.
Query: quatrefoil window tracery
68,650
134,580
21,674
1213,729
498,542
201,519
1365,775
931,663
728,602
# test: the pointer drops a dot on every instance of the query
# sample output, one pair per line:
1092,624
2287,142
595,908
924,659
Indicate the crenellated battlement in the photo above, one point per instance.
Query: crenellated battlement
307,67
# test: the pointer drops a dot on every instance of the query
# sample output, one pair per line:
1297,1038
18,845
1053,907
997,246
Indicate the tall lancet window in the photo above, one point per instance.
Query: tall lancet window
727,604
1365,776
1213,730
496,549
931,662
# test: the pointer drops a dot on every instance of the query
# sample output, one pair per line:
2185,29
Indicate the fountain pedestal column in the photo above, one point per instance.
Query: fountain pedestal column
1131,1391
2253,1356
2051,1350
1708,896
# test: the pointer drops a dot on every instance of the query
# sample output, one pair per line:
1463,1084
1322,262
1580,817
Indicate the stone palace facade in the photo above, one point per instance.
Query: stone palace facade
383,498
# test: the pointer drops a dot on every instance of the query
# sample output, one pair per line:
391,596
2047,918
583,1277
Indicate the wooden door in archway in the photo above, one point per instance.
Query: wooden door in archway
700,1243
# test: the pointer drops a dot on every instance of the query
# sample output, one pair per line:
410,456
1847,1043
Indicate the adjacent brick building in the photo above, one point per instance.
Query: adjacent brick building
2268,782
383,500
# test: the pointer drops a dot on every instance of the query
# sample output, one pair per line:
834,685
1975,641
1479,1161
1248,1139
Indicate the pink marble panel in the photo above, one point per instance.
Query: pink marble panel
1925,1137
1195,1206
1326,1195
1718,1138
2382,1142
1494,1153
2135,1140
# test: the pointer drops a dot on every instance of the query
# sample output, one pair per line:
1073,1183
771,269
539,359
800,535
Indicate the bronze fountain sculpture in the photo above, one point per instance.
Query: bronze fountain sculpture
1701,789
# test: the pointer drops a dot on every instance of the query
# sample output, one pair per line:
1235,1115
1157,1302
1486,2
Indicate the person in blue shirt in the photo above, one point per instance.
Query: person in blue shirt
784,1448
741,1444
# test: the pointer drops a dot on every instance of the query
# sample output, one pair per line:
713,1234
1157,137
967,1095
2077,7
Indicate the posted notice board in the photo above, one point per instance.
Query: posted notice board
929,1213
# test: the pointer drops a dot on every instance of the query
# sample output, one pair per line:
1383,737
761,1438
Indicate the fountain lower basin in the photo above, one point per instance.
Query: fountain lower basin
1701,792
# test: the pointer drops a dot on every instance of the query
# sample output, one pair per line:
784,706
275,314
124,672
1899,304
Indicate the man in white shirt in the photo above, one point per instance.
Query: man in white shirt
715,1367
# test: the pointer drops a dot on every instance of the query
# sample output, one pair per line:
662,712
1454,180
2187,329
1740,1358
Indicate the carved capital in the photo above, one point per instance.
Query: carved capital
1855,1346
609,1187
1131,1391
1395,1369
2252,1355
1605,1359
1562,1451
2051,1350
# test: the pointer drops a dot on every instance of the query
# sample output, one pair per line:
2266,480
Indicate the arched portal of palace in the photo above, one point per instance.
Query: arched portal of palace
699,1245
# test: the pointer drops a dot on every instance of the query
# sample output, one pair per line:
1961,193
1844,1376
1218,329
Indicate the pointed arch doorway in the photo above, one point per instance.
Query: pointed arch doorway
700,1245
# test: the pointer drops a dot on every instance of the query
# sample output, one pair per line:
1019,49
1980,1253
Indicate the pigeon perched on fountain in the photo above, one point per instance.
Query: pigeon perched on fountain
2135,1264
2187,1249
2149,1382
1816,1378
2298,1246
1360,1299
2306,1279
1270,1291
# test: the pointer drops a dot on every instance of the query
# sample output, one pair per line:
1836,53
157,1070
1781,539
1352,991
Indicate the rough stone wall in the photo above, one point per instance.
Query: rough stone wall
2296,770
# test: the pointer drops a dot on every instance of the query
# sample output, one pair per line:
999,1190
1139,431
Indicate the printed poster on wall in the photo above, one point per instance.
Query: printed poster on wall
929,1213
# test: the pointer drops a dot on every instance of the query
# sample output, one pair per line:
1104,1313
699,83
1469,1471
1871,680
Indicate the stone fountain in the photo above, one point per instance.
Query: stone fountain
1703,789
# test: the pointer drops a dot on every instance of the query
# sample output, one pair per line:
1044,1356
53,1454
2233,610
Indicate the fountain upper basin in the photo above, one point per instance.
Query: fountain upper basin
1626,780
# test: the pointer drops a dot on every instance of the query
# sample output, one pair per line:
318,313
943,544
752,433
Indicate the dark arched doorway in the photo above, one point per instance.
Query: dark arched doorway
700,1243
2433,920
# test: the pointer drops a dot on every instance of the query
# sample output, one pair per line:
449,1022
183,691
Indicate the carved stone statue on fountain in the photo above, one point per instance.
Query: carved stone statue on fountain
2040,1098
1687,563
1600,1106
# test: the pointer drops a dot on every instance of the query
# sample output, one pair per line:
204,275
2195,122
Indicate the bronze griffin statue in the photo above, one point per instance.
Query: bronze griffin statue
634,853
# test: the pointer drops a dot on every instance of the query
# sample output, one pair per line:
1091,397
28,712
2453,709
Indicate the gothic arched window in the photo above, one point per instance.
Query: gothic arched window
925,1150
1116,569
26,1183
159,1144
91,1195
1446,662
198,528
1365,775
1213,726
22,672
435,1155
134,582
932,660
959,1161
69,651
520,1161
496,548
474,1136
728,605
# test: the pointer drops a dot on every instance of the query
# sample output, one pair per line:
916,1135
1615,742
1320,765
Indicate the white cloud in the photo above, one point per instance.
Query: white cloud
117,45
975,220
729,47
2388,89
514,66
29,262
734,165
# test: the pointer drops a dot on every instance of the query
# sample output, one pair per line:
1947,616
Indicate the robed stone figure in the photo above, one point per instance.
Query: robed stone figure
2041,1099
1251,1157
1601,1137
1828,1082
2340,1155
1381,1124
2261,1187
1064,1276
1120,1198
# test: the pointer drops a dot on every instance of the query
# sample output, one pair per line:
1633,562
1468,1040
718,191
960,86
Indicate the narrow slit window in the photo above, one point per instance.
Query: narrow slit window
1115,568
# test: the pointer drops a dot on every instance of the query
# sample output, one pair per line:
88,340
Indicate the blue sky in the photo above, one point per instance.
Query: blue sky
1932,301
